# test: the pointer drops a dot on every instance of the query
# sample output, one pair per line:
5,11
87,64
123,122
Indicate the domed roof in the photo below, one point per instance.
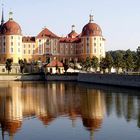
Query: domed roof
10,28
91,29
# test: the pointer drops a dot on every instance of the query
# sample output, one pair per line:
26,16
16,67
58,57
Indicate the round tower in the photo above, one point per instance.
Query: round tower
10,41
92,40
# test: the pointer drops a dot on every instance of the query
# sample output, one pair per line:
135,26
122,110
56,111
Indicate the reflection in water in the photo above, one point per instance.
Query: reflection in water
47,101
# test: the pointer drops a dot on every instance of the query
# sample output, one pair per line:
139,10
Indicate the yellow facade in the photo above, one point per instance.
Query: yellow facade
11,47
46,44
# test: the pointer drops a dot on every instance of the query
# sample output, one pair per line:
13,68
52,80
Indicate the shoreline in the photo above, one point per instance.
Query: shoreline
130,81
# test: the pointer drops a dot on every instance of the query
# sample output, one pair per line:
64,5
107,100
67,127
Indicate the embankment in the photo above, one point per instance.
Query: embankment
22,77
110,79
106,79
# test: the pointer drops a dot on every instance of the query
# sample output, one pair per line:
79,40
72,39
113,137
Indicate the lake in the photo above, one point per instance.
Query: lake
68,111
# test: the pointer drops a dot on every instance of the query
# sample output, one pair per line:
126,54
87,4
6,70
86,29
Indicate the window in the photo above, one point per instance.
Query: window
18,44
3,70
24,52
11,43
11,37
4,50
39,51
94,44
18,50
29,51
24,45
29,45
12,50
94,50
47,42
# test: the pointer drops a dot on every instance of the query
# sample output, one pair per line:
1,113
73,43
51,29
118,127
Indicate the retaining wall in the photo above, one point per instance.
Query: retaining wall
61,77
107,79
21,77
110,79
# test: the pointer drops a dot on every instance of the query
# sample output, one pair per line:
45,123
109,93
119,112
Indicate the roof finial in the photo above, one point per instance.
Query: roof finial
2,18
73,26
91,18
10,15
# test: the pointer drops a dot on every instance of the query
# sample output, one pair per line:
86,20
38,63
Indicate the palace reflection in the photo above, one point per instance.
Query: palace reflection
47,101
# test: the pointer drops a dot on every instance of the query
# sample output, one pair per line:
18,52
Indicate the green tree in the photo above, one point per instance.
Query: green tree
109,61
87,63
118,61
66,65
9,65
129,61
138,58
94,63
103,65
22,65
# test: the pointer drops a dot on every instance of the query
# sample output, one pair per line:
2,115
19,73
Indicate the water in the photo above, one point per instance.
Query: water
68,111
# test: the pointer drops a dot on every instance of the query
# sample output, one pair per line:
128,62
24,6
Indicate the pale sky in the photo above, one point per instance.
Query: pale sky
119,19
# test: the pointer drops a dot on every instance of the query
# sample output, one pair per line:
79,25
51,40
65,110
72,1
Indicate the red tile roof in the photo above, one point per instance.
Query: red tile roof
69,40
46,33
55,63
72,34
27,39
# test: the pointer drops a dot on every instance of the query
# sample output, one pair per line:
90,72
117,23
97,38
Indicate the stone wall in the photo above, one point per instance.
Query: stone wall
22,77
110,79
107,79
61,77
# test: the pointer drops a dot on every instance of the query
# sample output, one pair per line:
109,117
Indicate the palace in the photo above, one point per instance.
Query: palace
73,47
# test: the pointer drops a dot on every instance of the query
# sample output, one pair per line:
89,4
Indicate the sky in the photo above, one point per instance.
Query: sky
119,19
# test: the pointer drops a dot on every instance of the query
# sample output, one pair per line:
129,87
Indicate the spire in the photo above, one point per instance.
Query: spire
73,26
2,17
91,18
10,15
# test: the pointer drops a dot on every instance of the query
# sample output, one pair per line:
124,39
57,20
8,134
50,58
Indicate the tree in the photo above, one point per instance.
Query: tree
103,65
109,61
66,66
9,65
138,58
129,62
22,65
87,63
118,61
94,63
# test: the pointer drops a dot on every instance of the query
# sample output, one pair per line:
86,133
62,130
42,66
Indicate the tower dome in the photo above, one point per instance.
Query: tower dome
11,27
91,29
